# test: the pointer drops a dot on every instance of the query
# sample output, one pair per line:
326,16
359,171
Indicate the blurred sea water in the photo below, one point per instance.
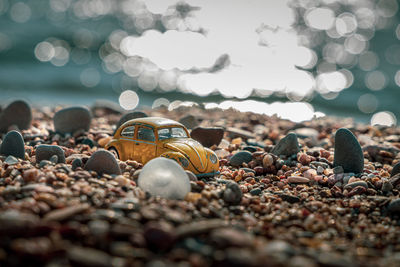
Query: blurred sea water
298,59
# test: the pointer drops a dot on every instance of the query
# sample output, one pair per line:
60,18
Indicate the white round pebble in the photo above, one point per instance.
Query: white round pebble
164,177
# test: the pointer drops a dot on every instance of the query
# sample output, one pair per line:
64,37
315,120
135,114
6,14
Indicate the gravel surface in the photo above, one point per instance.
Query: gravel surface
262,210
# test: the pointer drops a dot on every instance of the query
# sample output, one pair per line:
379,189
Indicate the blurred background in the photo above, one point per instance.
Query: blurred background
298,59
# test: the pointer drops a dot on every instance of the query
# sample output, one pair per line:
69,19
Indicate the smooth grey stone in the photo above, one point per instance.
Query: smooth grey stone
13,144
54,159
130,116
189,121
103,161
395,170
44,163
386,186
11,160
287,146
348,152
17,113
72,119
45,152
241,157
208,136
232,194
76,163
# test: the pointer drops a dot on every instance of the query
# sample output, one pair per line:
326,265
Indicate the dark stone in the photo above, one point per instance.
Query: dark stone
357,183
88,141
13,144
76,163
394,206
289,198
189,121
255,191
70,120
348,152
395,170
159,235
208,136
241,157
130,116
232,194
103,161
287,146
44,163
17,113
45,152
250,148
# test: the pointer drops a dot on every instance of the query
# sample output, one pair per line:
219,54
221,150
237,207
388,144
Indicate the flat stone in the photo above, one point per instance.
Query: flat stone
232,194
241,157
103,161
208,136
298,180
45,152
289,198
72,119
287,146
348,152
17,113
65,213
395,170
357,183
236,132
13,144
11,160
255,191
130,116
83,256
189,121
199,227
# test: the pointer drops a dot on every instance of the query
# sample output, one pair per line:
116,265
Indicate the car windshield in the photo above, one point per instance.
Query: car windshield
173,132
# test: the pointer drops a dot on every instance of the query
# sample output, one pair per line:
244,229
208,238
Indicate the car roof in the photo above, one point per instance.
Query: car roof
153,122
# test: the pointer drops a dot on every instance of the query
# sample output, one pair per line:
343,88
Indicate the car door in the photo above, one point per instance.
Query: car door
145,144
127,142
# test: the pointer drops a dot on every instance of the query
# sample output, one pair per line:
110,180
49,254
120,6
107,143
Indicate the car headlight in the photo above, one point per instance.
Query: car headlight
213,158
183,161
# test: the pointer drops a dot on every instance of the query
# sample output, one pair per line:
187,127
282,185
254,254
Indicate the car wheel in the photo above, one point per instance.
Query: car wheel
114,152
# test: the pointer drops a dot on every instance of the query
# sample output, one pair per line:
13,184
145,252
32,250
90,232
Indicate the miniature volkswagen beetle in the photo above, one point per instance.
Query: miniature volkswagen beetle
146,138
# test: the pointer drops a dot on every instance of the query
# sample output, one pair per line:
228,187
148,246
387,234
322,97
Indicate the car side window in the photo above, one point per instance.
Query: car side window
128,131
146,134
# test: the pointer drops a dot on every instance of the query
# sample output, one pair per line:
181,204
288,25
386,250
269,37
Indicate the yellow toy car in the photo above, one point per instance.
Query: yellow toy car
146,138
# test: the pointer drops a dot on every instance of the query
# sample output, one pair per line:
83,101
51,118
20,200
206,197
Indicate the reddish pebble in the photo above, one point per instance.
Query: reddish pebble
30,175
298,180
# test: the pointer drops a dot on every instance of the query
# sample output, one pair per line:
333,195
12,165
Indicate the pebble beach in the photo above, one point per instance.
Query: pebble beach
323,192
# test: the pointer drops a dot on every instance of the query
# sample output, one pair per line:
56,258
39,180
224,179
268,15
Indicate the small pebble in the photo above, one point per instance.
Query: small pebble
232,194
45,152
241,157
11,160
17,113
298,180
208,136
103,161
76,163
65,120
348,152
287,146
357,183
13,145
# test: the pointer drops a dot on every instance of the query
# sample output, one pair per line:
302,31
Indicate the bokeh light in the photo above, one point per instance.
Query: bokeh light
90,77
375,80
20,12
384,118
367,103
160,102
128,100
